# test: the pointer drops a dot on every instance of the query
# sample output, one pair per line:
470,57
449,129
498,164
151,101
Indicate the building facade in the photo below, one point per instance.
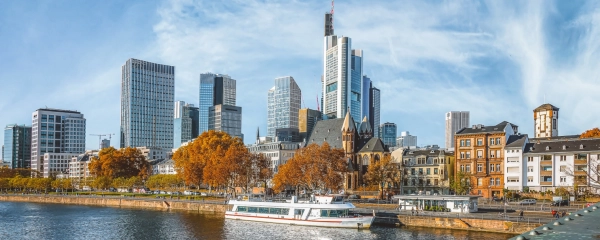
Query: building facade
215,89
336,76
147,96
78,166
356,84
515,171
283,105
479,155
17,146
185,123
545,119
455,121
388,132
163,166
307,119
279,152
55,135
374,109
425,171
225,118
366,97
406,140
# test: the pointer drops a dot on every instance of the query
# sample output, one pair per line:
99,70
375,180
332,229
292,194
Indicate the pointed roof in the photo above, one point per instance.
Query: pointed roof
348,123
365,126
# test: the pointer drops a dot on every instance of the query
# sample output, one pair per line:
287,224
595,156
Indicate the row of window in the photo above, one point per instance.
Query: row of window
492,141
491,168
491,154
427,171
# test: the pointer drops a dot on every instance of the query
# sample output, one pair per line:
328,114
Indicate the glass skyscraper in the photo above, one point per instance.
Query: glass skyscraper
366,95
225,118
374,110
215,89
147,96
356,86
388,133
283,105
17,146
185,123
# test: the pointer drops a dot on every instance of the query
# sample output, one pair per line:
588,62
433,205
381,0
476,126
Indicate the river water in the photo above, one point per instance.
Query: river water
55,221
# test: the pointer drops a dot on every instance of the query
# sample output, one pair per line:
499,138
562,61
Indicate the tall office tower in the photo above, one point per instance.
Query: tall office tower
225,118
56,137
147,95
406,140
328,26
388,133
215,89
307,119
283,105
356,85
374,109
365,97
17,146
336,75
455,121
185,123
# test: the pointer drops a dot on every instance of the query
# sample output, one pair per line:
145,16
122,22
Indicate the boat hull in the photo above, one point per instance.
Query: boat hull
362,222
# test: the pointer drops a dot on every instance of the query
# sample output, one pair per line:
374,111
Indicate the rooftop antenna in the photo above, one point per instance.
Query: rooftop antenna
332,14
318,105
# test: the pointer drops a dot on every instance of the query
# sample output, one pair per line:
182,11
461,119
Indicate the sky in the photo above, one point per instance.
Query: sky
497,59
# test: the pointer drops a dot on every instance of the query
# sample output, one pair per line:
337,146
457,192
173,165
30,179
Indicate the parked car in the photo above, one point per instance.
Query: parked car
527,202
353,196
560,203
203,194
188,192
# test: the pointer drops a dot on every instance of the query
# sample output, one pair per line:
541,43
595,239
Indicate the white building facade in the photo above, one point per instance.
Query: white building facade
406,140
455,121
278,152
515,174
57,135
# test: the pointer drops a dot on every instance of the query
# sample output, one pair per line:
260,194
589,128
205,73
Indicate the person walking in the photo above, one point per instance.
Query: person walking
521,215
564,213
412,211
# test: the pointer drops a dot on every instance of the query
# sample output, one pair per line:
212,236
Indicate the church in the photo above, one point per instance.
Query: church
360,147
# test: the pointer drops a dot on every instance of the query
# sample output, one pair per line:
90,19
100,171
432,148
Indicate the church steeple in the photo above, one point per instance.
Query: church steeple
365,130
348,132
348,122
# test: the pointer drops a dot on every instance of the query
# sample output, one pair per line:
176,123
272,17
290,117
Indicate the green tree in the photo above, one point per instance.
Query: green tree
383,172
460,184
101,182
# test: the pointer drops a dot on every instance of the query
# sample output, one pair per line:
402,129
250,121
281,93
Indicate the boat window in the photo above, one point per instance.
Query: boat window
275,210
285,211
252,209
334,213
263,210
298,211
242,208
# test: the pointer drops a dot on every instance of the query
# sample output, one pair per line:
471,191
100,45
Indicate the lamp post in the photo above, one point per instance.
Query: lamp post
490,192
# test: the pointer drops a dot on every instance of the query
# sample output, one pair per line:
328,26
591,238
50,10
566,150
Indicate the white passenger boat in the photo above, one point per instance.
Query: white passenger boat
321,211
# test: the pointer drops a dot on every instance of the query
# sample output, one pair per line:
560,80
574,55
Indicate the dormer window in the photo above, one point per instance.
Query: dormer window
547,148
581,146
564,147
530,148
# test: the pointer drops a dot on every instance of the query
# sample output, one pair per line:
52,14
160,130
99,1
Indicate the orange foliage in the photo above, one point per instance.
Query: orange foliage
313,167
125,163
592,133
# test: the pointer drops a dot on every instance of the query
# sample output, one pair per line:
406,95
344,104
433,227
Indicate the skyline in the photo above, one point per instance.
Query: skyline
497,62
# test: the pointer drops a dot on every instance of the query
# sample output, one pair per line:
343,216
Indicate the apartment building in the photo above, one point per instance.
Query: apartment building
425,171
479,153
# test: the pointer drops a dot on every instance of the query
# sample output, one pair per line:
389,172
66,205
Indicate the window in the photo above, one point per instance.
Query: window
491,141
530,169
479,142
462,155
479,154
420,170
435,171
462,168
479,182
491,167
468,142
462,143
468,168
529,159
547,168
479,167
492,155
563,158
547,158
546,179
529,179
563,179
512,160
512,179
498,154
468,155
497,141
512,169
428,171
491,182
497,167
563,168
553,123
412,171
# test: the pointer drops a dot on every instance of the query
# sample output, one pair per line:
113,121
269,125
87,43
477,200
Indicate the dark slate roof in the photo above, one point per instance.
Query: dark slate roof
329,131
557,138
485,129
421,152
516,140
374,145
546,106
592,144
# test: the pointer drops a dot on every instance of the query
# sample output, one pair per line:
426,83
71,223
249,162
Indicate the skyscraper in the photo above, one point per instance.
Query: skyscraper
336,81
225,118
374,109
455,121
17,146
307,119
215,89
366,96
283,105
56,137
356,84
388,133
147,95
185,122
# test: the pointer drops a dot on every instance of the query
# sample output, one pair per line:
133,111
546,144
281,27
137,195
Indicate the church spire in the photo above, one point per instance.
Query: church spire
348,122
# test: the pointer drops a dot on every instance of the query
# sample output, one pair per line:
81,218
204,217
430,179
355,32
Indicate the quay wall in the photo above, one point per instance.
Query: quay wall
119,202
487,225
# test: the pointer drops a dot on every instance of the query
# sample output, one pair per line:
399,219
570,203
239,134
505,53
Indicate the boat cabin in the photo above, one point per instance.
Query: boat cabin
438,203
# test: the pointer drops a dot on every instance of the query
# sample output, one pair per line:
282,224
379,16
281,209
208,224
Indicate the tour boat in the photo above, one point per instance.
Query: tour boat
320,211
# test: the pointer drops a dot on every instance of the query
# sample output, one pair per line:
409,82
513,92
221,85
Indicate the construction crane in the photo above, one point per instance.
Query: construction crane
100,138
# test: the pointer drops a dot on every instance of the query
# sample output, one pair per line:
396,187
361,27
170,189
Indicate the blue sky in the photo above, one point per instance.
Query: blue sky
497,59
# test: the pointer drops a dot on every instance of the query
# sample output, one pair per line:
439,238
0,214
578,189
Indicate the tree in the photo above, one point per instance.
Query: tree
461,183
113,163
313,167
383,172
592,133
163,181
101,182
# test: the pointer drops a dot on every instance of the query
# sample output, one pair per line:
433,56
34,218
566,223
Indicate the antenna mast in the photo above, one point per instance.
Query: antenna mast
332,15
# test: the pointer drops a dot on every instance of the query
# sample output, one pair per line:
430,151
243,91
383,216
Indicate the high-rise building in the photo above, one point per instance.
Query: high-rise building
307,119
185,122
545,118
356,84
283,105
328,26
388,132
366,96
147,96
455,121
105,144
215,89
336,74
56,136
374,109
406,140
227,119
17,146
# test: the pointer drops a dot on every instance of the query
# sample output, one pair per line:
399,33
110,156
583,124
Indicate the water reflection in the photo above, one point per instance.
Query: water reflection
54,221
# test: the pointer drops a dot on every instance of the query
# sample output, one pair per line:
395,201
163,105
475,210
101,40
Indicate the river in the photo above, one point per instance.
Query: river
54,221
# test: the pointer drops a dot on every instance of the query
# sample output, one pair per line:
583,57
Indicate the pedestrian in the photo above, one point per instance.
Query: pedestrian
521,215
412,211
564,213
553,213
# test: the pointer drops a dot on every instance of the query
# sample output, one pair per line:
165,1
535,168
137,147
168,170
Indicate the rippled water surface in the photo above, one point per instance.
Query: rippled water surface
54,221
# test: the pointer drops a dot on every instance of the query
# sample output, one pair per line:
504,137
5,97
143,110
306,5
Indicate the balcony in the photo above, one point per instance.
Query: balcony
580,173
546,183
545,173
581,162
546,163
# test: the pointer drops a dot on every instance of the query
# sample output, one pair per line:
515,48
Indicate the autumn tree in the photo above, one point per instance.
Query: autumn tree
383,172
101,182
592,133
164,181
313,167
252,169
113,163
10,173
461,184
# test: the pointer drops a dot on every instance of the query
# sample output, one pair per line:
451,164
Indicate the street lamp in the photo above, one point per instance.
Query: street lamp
490,192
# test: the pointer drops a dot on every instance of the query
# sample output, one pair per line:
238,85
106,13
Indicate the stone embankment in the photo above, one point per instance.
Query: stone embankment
120,202
487,225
